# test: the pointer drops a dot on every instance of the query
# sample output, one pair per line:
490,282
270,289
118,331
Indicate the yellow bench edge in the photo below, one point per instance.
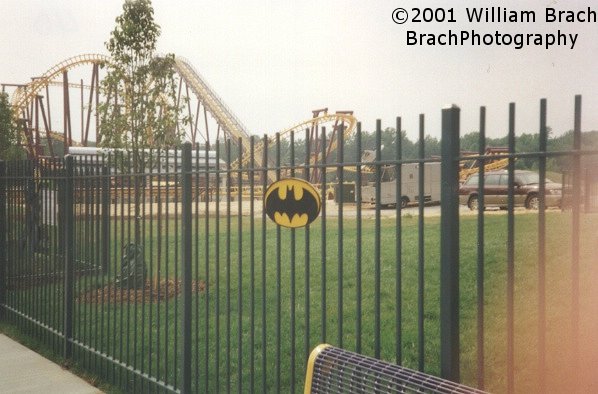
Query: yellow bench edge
309,373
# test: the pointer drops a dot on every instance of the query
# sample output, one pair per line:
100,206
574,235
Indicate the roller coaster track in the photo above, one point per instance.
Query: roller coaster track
233,127
492,166
25,94
230,125
349,123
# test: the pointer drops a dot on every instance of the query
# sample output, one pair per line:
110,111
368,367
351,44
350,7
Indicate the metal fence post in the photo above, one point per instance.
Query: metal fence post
69,257
449,246
105,230
3,244
186,231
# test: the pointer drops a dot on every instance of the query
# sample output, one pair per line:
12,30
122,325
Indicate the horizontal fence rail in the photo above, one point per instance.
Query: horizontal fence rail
160,270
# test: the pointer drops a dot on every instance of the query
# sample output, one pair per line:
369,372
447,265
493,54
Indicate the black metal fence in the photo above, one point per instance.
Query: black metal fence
160,271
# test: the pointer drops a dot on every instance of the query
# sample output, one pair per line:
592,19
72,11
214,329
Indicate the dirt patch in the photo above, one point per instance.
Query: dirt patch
151,293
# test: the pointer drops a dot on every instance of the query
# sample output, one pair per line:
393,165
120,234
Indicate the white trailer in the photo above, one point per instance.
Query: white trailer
409,185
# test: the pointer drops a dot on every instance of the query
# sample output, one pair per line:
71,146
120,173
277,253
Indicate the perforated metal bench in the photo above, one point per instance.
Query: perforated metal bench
334,370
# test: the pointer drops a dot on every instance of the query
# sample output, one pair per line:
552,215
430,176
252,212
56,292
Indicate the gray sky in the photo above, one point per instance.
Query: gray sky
273,62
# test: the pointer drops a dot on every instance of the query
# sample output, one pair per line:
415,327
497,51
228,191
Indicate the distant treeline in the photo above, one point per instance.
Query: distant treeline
410,149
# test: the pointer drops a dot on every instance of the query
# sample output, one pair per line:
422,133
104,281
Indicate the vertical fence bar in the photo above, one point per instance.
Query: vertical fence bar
30,227
69,258
340,199
278,279
12,212
118,224
228,263
449,245
264,261
167,264
124,304
207,196
307,254
9,230
240,268
105,238
4,229
27,252
156,274
12,228
23,245
575,229
377,257
542,251
97,258
139,360
17,214
26,298
293,274
29,233
480,265
358,250
186,244
398,242
251,174
33,223
323,239
511,257
45,224
84,256
3,244
178,268
420,247
47,258
52,245
154,162
217,269
196,187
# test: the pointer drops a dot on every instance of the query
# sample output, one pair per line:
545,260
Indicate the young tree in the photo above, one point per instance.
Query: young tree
139,109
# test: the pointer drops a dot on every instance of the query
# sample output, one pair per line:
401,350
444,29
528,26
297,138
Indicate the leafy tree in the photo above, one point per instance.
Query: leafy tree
469,141
140,89
139,109
8,131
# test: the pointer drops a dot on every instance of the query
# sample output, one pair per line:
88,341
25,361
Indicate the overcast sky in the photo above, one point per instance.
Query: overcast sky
273,62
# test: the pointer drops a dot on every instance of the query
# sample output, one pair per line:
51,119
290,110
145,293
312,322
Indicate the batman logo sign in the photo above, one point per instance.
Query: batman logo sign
292,202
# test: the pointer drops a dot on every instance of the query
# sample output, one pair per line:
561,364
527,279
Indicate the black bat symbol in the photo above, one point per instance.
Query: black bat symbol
307,204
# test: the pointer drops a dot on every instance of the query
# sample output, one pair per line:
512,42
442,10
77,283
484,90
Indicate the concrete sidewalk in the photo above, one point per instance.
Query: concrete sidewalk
24,371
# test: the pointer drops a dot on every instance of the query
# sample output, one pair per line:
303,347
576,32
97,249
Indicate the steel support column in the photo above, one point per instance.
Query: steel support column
69,258
105,230
186,231
449,246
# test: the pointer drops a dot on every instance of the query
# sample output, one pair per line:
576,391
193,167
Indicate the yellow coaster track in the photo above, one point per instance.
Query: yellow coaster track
228,122
23,96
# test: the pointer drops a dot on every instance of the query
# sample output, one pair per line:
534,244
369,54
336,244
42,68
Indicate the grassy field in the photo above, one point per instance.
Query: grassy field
285,287
560,374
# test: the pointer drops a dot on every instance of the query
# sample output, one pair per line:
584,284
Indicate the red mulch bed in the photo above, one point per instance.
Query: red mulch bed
151,293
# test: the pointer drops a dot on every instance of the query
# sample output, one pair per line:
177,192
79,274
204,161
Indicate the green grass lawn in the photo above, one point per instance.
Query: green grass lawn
289,292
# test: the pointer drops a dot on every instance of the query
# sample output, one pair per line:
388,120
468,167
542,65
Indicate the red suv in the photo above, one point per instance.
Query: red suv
496,190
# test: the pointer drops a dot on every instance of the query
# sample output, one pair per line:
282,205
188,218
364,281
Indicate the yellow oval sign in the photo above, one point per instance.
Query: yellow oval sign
292,202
